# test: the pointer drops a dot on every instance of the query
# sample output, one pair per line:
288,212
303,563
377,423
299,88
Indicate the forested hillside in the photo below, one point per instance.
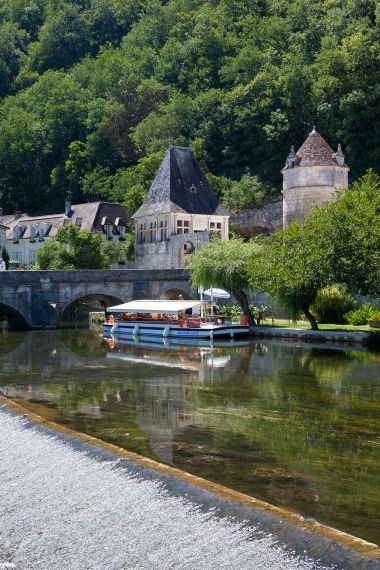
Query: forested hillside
92,90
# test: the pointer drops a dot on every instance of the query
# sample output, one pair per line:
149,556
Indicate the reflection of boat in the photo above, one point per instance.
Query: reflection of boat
174,319
193,358
170,343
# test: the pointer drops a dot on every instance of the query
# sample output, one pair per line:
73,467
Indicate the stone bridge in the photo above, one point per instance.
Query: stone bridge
38,299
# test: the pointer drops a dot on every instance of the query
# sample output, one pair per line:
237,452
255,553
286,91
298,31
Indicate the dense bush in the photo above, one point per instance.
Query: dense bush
90,88
332,303
360,316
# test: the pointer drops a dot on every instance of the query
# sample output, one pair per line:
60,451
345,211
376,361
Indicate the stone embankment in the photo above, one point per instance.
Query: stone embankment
307,335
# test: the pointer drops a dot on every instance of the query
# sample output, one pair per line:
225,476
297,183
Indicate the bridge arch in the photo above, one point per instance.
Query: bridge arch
175,293
12,318
98,300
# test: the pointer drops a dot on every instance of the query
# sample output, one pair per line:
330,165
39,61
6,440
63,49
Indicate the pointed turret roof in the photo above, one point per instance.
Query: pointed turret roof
315,151
180,186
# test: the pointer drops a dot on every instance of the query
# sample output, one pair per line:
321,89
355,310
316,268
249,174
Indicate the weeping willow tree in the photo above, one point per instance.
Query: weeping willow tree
225,264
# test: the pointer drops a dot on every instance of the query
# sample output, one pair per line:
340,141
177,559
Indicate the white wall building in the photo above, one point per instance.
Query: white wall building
27,234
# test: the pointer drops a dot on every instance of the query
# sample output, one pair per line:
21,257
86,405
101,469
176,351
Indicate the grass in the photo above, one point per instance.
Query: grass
284,323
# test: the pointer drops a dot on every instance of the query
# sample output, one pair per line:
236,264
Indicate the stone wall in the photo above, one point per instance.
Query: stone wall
264,220
299,202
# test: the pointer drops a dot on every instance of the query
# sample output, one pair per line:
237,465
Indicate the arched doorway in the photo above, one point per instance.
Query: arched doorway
78,310
11,319
185,250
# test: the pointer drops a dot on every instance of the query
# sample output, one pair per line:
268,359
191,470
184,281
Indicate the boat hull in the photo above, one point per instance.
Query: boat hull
170,331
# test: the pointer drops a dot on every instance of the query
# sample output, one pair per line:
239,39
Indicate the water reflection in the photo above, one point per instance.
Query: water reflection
297,426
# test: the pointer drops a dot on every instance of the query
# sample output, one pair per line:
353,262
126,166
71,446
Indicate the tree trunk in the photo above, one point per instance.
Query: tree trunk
242,299
309,316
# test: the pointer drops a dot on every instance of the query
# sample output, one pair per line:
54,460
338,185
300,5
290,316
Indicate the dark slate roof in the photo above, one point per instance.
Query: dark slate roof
86,216
180,186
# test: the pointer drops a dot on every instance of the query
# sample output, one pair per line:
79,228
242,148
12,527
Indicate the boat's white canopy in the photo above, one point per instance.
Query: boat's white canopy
154,306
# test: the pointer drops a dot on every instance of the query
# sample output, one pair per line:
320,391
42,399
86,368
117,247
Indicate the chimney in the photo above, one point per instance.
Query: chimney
67,207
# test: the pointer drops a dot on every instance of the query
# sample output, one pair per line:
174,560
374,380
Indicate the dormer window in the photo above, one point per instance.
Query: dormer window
17,232
122,231
43,230
193,189
109,230
33,231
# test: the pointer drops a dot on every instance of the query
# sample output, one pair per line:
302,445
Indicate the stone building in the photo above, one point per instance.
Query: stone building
3,231
179,213
311,177
26,234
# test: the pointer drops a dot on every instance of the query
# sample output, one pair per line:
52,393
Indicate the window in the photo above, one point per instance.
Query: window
186,226
152,232
122,231
17,232
32,257
163,230
216,228
142,233
193,189
33,231
179,227
109,230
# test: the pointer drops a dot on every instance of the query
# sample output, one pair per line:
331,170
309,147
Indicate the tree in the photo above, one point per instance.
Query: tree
73,248
225,264
339,243
286,267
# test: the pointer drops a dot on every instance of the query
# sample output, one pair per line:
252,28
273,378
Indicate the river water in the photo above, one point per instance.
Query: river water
295,425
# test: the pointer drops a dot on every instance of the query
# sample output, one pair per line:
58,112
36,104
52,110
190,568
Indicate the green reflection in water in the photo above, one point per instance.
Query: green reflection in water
295,426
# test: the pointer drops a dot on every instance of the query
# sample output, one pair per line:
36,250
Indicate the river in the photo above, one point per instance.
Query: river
295,425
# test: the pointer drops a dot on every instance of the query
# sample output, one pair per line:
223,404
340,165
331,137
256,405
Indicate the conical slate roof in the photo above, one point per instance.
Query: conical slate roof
315,151
180,186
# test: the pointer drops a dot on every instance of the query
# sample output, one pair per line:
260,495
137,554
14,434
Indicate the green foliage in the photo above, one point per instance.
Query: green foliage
98,85
72,248
339,243
248,192
332,303
224,264
361,316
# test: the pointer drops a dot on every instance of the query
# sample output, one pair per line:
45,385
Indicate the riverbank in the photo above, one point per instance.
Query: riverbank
75,489
323,335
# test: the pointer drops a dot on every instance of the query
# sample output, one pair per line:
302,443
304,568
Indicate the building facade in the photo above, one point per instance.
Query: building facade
311,177
3,231
179,214
25,234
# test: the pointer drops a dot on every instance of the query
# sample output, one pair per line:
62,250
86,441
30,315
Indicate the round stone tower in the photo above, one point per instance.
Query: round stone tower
311,177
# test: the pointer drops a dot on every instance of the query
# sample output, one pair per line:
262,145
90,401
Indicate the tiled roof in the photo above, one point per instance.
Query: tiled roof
315,151
180,186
